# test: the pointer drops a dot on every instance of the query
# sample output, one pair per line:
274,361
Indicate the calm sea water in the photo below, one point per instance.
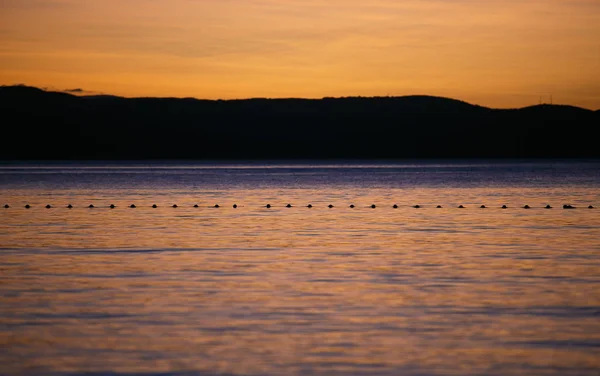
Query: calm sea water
299,291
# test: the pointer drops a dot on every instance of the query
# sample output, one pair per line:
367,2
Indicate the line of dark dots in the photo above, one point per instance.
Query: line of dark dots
310,206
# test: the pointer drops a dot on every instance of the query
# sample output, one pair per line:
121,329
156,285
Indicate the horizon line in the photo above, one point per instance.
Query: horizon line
85,93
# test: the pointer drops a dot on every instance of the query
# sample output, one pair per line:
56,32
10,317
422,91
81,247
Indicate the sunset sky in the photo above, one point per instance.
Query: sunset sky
499,53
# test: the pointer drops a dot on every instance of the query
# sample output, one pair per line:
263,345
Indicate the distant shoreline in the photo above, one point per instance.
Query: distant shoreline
59,126
296,162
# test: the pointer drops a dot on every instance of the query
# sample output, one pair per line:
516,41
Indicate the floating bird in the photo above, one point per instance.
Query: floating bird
461,207
48,206
112,206
548,207
439,206
590,207
568,207
288,206
504,207
154,206
91,206
352,206
196,206
27,206
395,206
309,206
133,206
417,206
330,206
235,206
175,206
268,206
373,206
6,206
526,207
482,206
69,206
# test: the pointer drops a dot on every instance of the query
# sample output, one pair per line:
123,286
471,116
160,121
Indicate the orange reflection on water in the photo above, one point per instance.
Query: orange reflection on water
301,291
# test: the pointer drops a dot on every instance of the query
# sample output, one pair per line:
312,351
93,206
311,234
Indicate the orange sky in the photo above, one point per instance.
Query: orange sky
499,53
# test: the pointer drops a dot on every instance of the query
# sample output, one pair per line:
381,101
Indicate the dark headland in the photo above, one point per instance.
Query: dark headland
43,125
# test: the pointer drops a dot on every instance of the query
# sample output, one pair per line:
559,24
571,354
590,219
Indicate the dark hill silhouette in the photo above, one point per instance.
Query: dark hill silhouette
40,125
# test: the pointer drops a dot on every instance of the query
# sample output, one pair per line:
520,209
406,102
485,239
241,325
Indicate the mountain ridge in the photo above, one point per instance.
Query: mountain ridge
58,125
26,88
